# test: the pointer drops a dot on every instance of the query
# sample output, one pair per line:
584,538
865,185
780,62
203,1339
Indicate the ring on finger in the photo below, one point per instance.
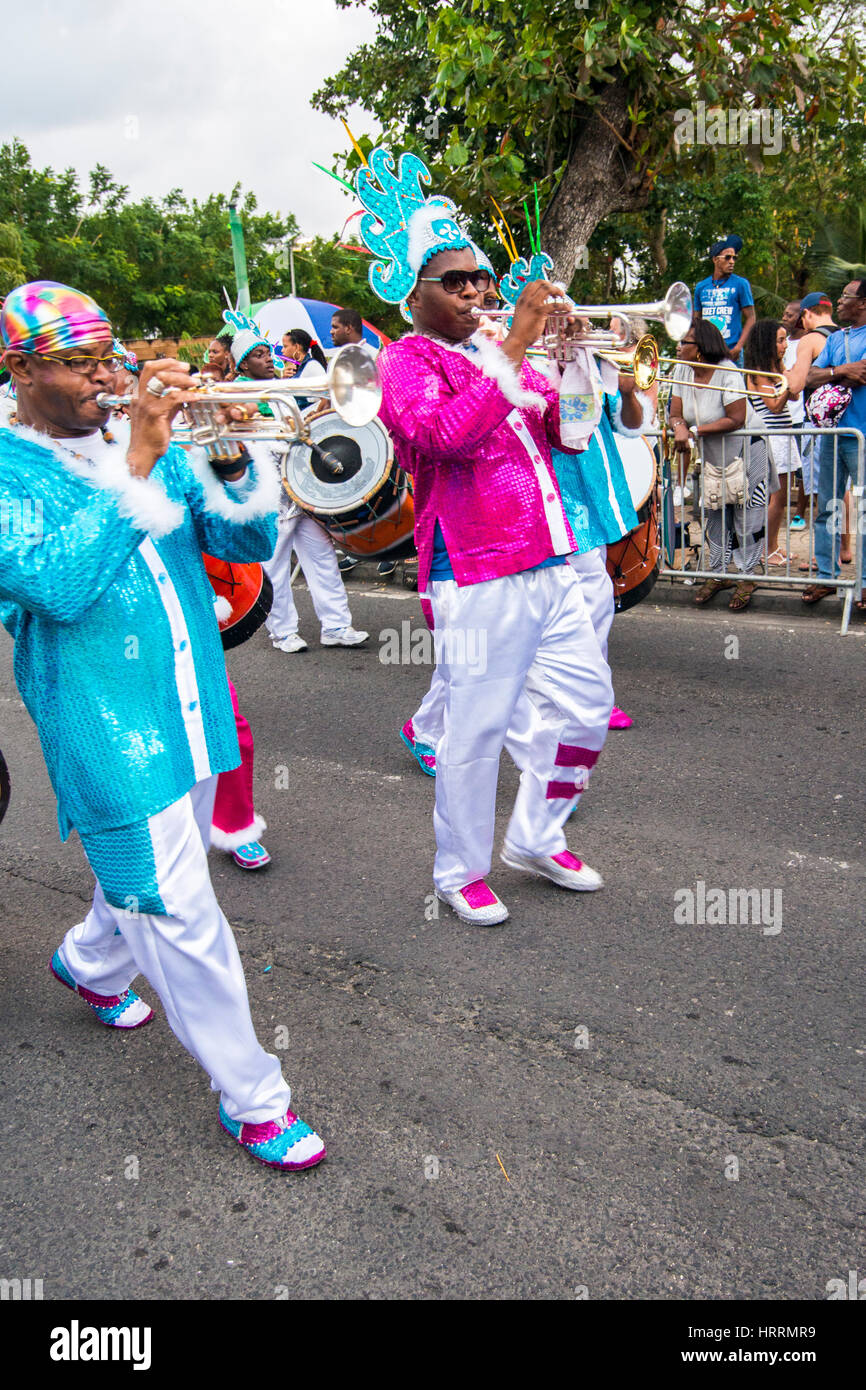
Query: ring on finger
156,387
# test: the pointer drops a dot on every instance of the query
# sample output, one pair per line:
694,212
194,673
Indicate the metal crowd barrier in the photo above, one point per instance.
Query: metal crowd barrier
691,516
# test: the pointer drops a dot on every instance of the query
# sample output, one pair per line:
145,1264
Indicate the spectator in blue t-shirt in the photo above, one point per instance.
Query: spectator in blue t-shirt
725,299
842,360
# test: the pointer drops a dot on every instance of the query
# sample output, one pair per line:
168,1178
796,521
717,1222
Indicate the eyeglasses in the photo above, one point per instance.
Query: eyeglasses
84,366
455,281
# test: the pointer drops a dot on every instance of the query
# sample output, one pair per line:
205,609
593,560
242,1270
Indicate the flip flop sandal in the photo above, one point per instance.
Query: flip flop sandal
710,588
816,592
807,568
742,595
781,561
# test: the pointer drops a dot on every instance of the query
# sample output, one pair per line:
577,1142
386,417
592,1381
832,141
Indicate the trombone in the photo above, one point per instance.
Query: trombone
779,378
352,386
645,362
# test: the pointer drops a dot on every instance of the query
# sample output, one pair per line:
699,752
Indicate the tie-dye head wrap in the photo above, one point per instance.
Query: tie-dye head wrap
47,317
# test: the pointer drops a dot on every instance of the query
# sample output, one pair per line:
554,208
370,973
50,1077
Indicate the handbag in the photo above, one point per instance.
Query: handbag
827,404
722,484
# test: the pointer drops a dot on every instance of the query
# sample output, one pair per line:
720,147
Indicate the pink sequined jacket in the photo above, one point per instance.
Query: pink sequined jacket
476,440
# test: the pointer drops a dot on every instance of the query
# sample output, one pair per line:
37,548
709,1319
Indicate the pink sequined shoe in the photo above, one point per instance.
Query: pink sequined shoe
476,903
288,1143
565,869
124,1010
619,719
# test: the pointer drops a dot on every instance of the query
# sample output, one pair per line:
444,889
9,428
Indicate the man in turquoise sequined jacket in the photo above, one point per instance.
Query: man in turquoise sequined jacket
119,661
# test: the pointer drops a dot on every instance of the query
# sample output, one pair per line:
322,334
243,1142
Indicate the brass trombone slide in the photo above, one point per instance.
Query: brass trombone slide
644,365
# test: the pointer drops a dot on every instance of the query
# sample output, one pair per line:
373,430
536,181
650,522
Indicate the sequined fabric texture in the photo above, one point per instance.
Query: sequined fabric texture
449,423
94,652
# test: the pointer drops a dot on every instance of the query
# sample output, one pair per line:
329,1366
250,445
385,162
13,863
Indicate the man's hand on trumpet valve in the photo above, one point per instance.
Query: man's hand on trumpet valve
531,313
163,387
533,308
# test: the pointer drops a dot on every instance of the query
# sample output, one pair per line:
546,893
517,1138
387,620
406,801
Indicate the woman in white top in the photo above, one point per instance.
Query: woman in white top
765,352
716,418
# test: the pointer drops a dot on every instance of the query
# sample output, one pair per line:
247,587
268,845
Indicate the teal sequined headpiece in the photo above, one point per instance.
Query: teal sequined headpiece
522,273
401,225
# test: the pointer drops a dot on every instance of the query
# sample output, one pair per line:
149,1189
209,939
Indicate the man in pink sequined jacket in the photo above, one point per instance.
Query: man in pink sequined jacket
474,424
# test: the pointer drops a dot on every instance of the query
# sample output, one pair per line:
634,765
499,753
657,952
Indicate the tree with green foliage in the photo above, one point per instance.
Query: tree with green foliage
326,270
156,266
12,270
593,102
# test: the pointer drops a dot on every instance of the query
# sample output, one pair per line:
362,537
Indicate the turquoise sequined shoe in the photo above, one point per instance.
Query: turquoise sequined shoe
423,754
288,1143
251,856
124,1010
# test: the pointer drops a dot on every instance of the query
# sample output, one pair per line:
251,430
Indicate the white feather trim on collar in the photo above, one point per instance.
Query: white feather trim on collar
143,501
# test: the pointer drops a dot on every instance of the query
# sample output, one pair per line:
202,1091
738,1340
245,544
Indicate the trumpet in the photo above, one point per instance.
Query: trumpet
352,386
674,311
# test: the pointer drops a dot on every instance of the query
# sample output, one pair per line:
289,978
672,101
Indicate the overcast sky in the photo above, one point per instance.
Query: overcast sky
191,95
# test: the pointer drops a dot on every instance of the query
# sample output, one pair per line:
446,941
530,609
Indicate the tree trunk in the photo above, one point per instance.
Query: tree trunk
600,179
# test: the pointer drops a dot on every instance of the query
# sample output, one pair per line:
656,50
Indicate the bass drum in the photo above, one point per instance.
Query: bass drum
248,592
634,562
368,509
4,786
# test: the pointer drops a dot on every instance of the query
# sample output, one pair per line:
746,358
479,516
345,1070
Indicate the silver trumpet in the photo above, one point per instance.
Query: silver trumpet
352,386
674,311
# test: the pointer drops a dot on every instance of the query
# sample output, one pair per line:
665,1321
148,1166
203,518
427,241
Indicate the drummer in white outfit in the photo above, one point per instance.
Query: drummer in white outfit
298,532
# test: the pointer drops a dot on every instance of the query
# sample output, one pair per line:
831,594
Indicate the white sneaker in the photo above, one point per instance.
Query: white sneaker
293,643
565,869
476,903
344,637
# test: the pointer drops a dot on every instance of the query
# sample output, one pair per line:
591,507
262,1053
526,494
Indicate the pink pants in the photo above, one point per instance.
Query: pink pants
235,822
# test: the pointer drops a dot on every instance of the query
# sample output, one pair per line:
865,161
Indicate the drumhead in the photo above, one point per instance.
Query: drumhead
365,451
639,463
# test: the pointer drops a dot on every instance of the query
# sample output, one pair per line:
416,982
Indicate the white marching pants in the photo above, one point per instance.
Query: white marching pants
189,956
525,632
315,550
597,588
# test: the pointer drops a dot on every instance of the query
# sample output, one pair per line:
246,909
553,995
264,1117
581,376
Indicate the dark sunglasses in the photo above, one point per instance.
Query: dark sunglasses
455,281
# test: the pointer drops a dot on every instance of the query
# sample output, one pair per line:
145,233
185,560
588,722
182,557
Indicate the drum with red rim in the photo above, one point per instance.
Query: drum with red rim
247,590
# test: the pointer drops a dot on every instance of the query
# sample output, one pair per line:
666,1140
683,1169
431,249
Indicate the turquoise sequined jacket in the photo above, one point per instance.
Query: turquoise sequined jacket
118,656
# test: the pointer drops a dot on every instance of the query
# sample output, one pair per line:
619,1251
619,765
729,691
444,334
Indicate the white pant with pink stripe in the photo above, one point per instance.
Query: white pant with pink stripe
597,588
526,633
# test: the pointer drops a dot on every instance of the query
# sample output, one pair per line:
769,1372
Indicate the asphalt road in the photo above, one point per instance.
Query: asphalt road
705,1142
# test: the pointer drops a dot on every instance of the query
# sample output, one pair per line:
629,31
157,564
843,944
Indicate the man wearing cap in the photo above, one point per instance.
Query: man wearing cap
841,360
816,320
119,662
726,299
